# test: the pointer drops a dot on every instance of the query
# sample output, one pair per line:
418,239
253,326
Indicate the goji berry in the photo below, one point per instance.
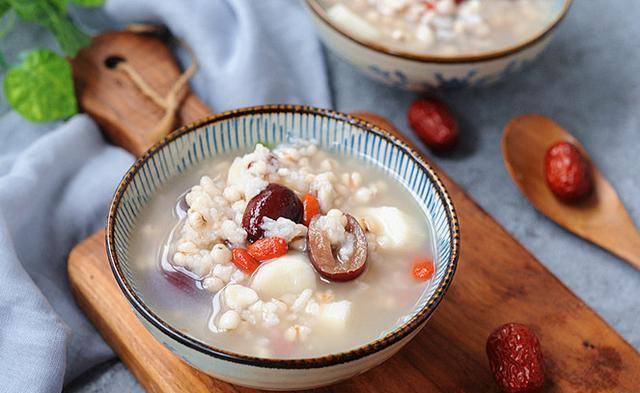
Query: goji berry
310,207
268,248
422,269
243,260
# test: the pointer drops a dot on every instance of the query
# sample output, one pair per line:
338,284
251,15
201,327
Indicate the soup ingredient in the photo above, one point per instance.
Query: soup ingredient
567,172
321,253
283,228
268,248
335,315
274,201
243,260
221,254
251,297
434,123
345,17
311,208
391,226
238,296
515,359
180,281
289,274
447,28
229,320
423,269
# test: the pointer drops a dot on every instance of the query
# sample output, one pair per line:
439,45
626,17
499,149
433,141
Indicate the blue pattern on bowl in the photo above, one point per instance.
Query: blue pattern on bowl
471,79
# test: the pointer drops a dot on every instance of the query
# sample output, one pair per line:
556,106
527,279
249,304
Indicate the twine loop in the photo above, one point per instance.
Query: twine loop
169,103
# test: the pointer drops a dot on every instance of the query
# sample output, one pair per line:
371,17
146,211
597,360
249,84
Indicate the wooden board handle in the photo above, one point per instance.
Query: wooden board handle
110,97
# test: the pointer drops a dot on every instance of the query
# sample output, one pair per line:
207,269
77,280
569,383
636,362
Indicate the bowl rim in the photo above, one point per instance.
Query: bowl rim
318,11
300,363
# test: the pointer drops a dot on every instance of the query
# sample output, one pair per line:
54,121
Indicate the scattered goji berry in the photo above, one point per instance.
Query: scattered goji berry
422,269
310,207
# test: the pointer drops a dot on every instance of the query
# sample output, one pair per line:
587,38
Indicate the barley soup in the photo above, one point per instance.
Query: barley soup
444,27
290,252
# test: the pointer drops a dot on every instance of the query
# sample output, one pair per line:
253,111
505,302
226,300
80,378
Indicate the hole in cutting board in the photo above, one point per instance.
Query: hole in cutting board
112,61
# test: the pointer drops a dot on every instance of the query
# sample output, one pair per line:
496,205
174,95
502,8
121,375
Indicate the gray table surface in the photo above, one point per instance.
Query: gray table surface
588,81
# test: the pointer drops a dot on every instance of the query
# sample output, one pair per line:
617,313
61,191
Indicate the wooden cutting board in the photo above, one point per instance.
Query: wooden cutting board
497,281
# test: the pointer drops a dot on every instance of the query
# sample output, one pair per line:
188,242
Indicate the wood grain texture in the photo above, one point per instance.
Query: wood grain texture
497,281
601,218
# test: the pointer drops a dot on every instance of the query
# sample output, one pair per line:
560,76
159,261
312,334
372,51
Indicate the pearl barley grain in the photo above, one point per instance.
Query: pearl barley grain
229,320
221,254
232,194
212,284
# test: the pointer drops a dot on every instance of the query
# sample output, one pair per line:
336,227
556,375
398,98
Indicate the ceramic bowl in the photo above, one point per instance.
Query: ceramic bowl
238,131
422,72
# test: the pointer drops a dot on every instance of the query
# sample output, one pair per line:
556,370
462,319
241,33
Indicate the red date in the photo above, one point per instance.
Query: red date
515,359
321,254
274,201
434,123
181,281
567,172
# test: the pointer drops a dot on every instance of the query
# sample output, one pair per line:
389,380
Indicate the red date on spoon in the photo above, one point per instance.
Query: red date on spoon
567,172
274,201
321,254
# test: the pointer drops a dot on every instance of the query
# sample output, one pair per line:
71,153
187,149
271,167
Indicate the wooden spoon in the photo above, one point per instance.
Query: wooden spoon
601,218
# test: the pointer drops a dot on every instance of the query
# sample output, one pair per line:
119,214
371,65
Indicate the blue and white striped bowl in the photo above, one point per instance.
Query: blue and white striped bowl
239,131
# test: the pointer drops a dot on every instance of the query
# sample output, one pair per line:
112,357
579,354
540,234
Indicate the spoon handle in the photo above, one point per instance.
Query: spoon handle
623,240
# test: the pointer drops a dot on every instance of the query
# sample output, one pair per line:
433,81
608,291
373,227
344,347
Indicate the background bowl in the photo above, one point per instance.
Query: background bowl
239,131
422,72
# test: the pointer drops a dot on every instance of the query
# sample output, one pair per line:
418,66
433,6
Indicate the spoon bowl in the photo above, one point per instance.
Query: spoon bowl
600,218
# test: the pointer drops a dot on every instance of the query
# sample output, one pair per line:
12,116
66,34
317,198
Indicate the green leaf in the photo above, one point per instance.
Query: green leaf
8,20
3,63
38,11
4,7
70,38
89,3
52,14
61,4
41,87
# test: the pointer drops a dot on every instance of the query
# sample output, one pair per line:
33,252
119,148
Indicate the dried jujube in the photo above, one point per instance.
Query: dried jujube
321,253
274,201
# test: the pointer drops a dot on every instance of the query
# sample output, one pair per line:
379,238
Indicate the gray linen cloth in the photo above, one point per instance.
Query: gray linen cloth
56,182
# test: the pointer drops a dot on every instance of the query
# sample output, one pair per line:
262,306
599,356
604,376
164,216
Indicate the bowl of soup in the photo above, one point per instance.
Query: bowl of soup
437,44
282,247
